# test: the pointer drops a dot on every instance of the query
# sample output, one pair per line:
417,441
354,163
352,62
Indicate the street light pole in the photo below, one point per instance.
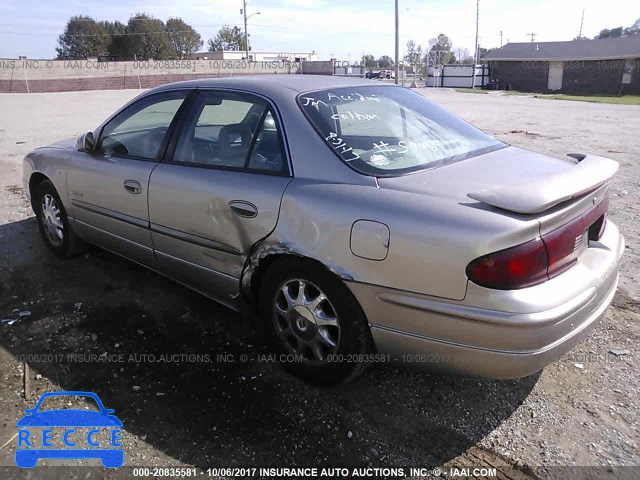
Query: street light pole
397,43
246,36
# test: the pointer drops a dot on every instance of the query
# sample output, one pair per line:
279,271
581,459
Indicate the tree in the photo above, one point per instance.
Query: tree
440,49
147,37
633,29
619,31
228,38
184,39
614,32
117,49
414,53
83,37
442,42
142,37
461,53
385,61
463,56
369,61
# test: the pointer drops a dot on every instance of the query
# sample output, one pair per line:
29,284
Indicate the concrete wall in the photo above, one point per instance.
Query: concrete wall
59,76
319,67
254,55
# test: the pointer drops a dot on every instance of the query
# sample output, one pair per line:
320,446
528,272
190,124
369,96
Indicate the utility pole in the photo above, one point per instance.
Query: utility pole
475,53
581,23
533,36
500,38
397,43
246,36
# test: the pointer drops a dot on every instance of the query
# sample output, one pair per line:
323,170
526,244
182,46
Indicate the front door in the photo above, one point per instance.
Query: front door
220,193
555,75
108,188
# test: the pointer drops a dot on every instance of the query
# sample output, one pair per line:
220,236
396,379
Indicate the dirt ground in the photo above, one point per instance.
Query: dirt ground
151,348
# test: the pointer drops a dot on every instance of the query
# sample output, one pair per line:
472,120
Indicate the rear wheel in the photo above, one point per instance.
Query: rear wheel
53,222
313,322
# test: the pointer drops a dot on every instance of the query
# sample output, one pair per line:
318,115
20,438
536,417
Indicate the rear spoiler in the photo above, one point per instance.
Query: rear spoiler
541,194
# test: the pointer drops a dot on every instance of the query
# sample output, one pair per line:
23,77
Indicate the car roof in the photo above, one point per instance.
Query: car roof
293,83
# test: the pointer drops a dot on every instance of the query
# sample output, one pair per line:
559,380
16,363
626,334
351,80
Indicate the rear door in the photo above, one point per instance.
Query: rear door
220,192
108,188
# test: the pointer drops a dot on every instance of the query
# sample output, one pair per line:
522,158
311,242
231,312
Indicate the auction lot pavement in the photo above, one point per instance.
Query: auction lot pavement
99,323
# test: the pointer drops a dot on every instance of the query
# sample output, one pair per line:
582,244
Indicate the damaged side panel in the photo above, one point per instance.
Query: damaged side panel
316,221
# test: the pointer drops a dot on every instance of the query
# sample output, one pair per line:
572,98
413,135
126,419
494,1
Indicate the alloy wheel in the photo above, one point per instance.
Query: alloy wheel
52,220
306,321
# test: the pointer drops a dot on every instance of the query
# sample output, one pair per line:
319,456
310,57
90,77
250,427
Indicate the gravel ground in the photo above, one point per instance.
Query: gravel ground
580,411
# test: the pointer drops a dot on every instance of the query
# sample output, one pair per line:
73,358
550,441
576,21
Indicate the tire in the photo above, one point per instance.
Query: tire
326,354
54,224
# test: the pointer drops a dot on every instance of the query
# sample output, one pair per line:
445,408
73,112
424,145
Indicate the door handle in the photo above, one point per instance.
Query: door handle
132,186
243,208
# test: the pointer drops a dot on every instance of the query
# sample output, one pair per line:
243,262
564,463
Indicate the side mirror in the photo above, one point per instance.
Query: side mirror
86,143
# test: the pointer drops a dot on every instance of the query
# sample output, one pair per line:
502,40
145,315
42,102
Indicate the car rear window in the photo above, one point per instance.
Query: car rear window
389,131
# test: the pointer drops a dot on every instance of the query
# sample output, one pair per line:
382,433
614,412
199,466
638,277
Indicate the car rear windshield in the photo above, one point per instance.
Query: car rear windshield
390,131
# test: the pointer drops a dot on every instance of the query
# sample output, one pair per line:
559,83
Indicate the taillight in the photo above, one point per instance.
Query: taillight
563,244
539,259
516,267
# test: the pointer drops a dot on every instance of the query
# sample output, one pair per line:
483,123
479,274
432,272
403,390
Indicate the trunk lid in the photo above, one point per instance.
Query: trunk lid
511,179
568,200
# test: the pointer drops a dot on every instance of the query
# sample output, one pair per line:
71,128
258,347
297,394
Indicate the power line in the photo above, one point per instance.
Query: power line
126,34
258,25
278,27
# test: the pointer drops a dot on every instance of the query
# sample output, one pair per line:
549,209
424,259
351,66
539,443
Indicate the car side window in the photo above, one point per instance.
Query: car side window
221,129
268,152
140,130
231,130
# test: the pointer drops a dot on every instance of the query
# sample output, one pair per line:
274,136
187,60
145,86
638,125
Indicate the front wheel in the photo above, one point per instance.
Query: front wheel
53,222
313,322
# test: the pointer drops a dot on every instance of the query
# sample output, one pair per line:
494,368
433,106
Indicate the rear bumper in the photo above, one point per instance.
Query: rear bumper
458,337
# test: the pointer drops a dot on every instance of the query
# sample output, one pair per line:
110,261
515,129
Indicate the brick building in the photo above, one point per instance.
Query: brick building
603,66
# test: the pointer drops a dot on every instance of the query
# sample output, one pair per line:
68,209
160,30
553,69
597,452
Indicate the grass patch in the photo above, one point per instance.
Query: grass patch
624,100
470,90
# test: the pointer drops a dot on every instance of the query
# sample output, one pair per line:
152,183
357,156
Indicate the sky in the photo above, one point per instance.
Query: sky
344,29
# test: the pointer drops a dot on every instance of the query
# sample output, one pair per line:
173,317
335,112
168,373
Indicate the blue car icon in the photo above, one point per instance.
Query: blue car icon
69,419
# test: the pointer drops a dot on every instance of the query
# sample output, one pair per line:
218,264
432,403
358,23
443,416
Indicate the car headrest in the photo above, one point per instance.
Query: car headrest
234,140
